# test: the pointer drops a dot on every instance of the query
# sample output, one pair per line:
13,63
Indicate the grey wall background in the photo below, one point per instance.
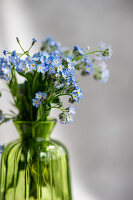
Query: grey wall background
100,141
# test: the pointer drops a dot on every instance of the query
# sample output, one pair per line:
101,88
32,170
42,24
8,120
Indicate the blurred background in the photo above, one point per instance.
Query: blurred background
100,141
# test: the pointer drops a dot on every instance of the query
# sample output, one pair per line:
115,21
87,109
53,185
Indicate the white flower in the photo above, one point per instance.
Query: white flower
105,76
102,66
72,110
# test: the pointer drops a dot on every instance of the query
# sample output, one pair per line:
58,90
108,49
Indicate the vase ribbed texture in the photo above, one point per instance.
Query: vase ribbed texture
35,167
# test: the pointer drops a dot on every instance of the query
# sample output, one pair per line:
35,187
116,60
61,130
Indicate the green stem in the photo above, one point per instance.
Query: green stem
33,91
21,47
30,47
19,54
34,81
58,96
77,58
25,53
18,41
63,110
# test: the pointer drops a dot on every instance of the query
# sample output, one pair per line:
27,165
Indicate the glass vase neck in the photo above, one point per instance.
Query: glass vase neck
35,130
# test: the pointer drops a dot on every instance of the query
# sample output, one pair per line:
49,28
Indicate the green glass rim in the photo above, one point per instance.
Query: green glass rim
35,122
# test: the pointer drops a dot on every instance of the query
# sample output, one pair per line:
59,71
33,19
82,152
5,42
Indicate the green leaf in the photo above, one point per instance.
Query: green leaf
41,112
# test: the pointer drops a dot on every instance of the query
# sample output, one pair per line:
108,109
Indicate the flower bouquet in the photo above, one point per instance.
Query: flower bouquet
36,167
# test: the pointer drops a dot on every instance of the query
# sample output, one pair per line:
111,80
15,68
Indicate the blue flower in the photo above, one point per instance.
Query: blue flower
51,69
72,79
36,58
3,62
45,54
21,66
69,118
38,95
41,68
56,62
6,69
66,119
38,54
55,53
72,110
64,75
57,75
36,102
16,61
89,67
7,77
44,95
48,60
41,95
51,42
60,68
5,52
68,59
70,66
77,94
28,60
46,57
34,40
33,65
76,48
14,54
80,51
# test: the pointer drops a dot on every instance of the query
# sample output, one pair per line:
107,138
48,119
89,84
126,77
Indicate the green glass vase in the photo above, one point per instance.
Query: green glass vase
35,167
